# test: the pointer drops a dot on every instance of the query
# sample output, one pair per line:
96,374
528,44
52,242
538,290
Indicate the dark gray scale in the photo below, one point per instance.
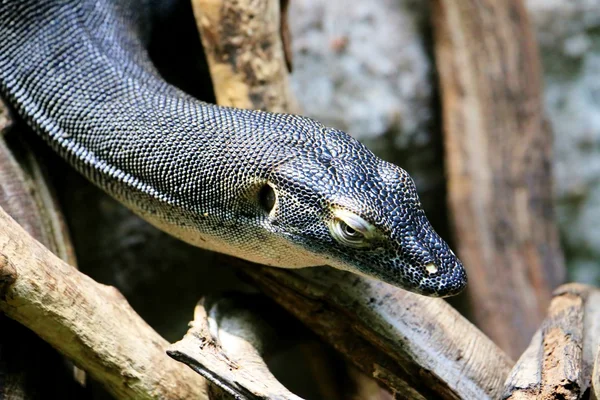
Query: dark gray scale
278,189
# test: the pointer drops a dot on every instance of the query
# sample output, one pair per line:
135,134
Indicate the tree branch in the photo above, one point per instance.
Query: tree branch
243,45
417,346
28,365
226,344
91,324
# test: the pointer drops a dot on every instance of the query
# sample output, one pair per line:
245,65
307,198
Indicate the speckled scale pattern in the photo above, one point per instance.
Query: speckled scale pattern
78,73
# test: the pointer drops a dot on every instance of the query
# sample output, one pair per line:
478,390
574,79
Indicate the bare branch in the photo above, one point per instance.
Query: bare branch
243,45
91,324
28,365
558,363
417,346
225,345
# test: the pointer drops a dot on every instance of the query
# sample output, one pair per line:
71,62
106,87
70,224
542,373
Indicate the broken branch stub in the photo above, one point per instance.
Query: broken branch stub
225,345
560,357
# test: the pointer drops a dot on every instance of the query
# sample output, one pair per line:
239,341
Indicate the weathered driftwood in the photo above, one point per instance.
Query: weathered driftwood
498,157
90,323
28,365
226,344
558,363
230,339
418,347
243,45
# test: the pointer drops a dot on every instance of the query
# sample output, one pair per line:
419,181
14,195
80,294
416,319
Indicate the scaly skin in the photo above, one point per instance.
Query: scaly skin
276,189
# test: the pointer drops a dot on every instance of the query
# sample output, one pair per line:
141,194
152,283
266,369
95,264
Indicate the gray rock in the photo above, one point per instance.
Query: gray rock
568,32
362,66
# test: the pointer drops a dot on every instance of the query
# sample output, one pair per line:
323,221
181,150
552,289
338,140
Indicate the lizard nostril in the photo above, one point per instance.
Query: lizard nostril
431,268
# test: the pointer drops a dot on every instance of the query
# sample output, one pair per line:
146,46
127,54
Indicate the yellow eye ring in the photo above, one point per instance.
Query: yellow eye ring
350,229
347,235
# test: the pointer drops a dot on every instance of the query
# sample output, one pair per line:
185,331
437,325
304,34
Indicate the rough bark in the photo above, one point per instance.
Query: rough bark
498,157
91,324
226,344
243,44
30,368
418,347
559,361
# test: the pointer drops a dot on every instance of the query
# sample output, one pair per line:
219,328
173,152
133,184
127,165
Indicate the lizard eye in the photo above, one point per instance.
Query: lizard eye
267,197
351,230
346,235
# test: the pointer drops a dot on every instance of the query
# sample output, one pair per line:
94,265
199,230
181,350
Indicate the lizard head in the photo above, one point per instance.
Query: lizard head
349,209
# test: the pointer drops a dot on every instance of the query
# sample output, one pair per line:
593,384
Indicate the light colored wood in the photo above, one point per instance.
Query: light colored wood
28,366
499,169
243,45
225,344
558,363
91,324
418,347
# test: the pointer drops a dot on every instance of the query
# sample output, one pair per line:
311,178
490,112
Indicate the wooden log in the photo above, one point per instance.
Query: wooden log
498,157
91,324
418,347
559,361
243,44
